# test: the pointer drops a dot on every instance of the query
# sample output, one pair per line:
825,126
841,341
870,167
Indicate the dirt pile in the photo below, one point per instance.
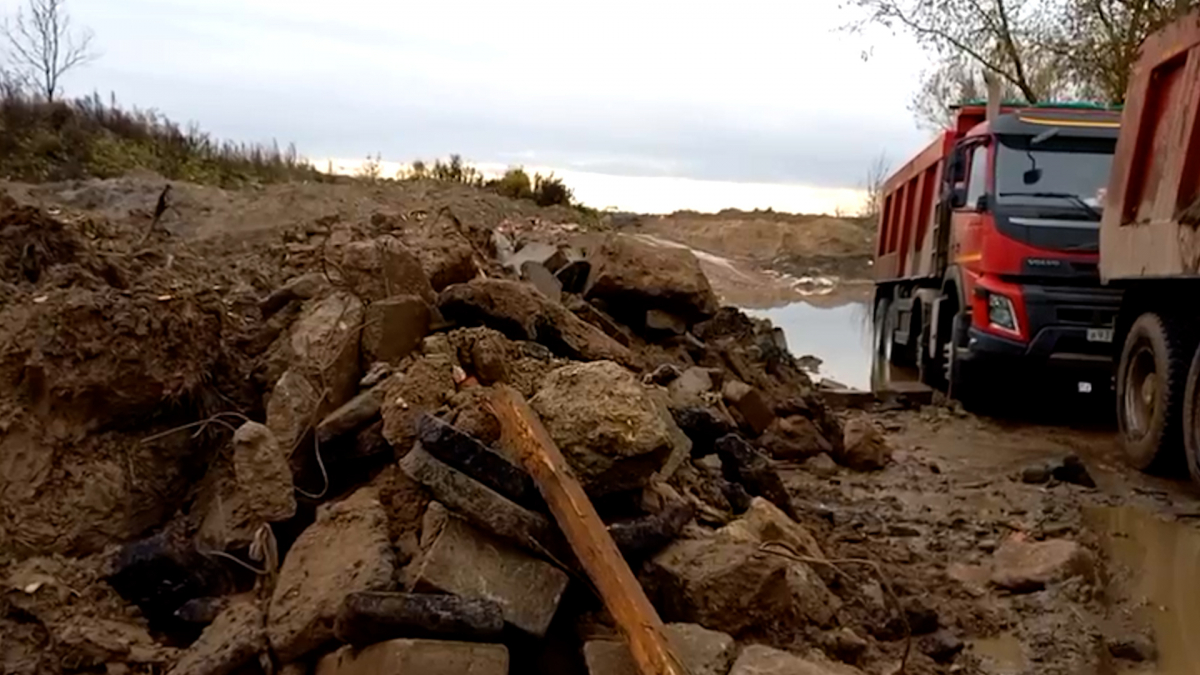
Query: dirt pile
255,451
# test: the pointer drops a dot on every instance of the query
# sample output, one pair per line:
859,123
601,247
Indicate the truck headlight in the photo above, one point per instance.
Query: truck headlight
1001,312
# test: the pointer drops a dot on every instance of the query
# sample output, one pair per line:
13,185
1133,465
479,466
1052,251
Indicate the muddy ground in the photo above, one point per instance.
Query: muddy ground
957,490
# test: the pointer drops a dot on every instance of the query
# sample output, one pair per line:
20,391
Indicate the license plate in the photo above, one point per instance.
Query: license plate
1100,335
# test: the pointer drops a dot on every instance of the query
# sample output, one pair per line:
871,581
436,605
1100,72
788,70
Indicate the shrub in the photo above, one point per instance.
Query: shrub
515,184
551,191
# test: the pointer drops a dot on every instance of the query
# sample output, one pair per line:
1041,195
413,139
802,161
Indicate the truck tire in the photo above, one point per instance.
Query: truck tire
1151,384
961,383
1191,418
882,324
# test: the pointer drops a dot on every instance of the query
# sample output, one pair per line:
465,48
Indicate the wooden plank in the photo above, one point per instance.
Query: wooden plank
527,441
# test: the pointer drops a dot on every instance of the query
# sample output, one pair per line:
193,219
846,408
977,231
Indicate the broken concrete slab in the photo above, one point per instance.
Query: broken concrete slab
478,503
734,587
345,551
462,560
521,313
263,474
384,267
750,403
636,276
609,426
1026,566
763,660
702,651
370,617
417,657
325,341
542,279
864,447
763,523
394,327
357,413
466,454
235,638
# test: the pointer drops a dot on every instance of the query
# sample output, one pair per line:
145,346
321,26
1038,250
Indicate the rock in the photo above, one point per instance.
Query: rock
460,559
762,660
447,256
794,438
345,551
649,534
612,430
821,466
303,287
1036,475
844,645
468,455
663,322
489,356
521,313
235,638
360,411
423,387
662,375
201,610
638,276
702,651
763,522
734,587
689,389
1072,470
744,464
750,403
574,275
942,646
383,268
703,425
417,657
394,328
367,618
543,280
292,408
864,448
263,475
325,341
478,503
596,317
1024,566
1133,647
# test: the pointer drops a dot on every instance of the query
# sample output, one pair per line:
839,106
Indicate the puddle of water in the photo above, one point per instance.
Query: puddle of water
1002,653
1164,560
840,336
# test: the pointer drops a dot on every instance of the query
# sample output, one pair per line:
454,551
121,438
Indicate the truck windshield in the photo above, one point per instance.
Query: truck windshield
1061,171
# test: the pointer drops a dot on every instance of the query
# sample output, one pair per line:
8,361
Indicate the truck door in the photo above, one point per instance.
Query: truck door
968,222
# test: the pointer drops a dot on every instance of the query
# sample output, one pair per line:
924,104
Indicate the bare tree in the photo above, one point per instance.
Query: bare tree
877,175
43,46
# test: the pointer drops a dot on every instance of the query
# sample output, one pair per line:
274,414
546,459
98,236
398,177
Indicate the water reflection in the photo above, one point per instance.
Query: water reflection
840,336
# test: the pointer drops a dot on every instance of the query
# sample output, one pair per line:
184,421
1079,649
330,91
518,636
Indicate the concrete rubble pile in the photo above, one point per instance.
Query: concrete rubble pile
375,521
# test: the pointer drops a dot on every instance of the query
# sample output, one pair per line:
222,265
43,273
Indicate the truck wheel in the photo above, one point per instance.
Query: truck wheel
883,330
960,380
1191,418
1151,382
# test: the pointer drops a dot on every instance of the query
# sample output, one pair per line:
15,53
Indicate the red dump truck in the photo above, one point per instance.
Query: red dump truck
987,250
1150,249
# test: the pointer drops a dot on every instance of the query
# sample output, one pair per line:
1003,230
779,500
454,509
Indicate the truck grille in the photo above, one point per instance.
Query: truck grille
1086,316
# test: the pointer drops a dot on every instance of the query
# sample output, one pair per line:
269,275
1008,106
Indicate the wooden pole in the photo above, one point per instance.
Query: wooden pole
524,436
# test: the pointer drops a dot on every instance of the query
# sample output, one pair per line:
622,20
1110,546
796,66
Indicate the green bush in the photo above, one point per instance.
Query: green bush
515,184
551,191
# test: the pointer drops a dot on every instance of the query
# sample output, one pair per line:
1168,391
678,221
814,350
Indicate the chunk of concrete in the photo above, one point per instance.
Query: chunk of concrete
610,427
734,587
263,475
863,447
235,638
690,388
384,267
303,287
325,341
423,387
794,438
574,275
542,279
598,318
763,660
345,551
749,402
367,618
636,275
763,523
292,408
462,560
394,328
357,413
1025,566
702,651
417,657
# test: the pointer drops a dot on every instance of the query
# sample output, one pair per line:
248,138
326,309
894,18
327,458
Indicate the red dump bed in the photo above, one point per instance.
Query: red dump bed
1152,208
904,236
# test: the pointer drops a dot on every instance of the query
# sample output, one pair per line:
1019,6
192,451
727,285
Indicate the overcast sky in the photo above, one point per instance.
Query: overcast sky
764,100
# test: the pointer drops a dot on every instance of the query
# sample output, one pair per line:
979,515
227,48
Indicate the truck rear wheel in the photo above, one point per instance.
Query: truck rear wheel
1191,418
1151,382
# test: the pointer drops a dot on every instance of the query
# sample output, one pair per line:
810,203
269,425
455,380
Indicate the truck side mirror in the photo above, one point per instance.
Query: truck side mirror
981,204
958,196
1032,176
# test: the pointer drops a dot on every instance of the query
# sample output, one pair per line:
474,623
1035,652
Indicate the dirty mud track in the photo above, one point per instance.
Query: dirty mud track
140,533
